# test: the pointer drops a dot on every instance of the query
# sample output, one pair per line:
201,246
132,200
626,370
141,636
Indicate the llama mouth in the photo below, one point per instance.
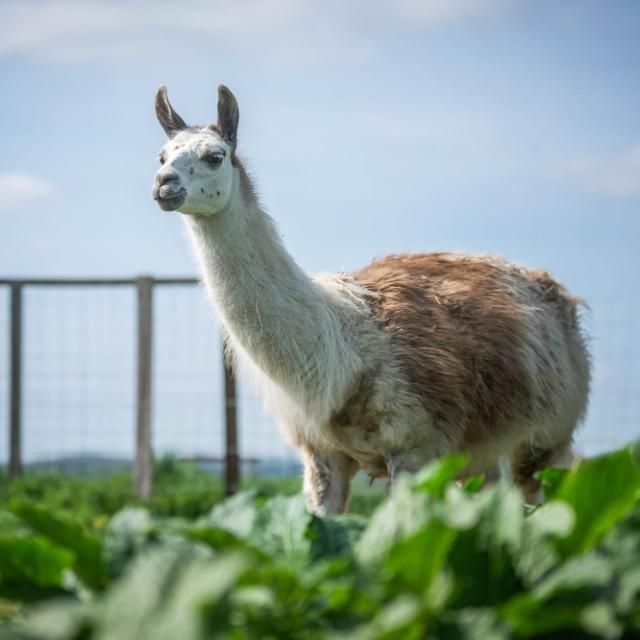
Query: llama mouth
172,202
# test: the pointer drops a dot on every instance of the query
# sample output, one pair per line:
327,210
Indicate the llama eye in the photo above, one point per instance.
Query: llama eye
161,159
214,159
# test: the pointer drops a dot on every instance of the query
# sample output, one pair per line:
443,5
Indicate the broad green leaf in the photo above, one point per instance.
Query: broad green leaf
395,620
490,531
401,515
551,480
473,484
254,597
438,474
577,573
334,535
59,619
472,624
555,519
86,548
25,592
280,528
35,559
216,538
137,598
622,545
236,514
31,568
559,600
600,620
502,517
460,510
415,561
601,491
537,553
126,534
200,586
629,587
10,525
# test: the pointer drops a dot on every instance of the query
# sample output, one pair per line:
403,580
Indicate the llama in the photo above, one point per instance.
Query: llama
413,357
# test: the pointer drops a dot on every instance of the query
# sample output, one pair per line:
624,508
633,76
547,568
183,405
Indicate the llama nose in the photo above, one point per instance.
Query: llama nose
168,178
167,186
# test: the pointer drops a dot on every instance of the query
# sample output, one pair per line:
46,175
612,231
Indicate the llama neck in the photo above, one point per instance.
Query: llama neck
270,308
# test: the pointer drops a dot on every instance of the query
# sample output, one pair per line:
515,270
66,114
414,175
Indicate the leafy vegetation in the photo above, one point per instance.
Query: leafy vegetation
434,560
180,489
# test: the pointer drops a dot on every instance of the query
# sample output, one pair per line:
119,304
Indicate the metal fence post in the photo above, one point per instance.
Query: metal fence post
231,459
144,459
15,453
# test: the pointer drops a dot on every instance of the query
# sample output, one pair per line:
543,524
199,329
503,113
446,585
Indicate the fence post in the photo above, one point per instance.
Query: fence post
15,453
144,460
231,459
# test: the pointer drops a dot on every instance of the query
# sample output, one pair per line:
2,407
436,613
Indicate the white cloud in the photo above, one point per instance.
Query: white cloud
77,31
616,175
437,12
22,188
292,31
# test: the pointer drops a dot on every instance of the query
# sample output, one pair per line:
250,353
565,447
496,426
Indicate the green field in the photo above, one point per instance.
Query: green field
79,558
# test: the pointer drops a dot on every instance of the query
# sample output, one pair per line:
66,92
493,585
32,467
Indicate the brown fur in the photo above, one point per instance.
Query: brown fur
556,295
458,323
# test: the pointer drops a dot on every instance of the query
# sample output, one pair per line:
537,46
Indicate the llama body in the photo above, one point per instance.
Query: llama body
413,357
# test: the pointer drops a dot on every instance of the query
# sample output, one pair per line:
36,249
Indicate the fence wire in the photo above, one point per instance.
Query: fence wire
613,419
79,378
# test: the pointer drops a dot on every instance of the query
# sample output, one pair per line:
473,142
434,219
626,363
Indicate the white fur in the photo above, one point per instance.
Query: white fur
283,327
207,189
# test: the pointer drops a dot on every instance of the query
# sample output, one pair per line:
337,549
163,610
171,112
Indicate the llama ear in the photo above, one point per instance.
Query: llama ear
171,122
228,115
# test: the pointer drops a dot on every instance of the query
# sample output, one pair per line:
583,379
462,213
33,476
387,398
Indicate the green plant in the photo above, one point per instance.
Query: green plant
434,560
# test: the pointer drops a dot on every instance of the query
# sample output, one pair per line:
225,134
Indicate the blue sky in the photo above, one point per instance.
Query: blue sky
492,126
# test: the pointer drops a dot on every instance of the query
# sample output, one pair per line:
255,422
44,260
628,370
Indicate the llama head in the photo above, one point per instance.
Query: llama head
196,176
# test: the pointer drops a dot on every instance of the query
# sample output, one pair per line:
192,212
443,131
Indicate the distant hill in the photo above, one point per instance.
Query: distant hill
80,465
95,465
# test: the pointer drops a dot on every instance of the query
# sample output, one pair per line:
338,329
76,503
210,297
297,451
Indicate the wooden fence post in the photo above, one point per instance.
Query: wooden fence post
144,458
15,440
231,458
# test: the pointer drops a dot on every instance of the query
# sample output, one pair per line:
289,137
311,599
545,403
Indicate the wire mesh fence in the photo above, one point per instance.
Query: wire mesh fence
79,378
78,371
613,420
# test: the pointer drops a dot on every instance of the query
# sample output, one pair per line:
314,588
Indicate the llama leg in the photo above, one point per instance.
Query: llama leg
327,480
528,458
403,462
